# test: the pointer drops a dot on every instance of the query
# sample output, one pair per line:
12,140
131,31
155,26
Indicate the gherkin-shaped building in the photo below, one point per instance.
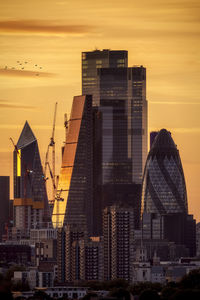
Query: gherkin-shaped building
164,199
164,189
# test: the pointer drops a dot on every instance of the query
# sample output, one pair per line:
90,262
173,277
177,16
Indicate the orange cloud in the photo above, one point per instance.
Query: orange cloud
5,104
39,27
24,73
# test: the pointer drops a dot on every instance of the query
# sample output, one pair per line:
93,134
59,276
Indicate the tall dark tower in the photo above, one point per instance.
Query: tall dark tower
4,202
164,196
30,196
120,129
93,61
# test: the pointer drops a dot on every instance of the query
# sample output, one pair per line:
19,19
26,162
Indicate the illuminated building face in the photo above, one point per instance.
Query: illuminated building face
73,199
19,163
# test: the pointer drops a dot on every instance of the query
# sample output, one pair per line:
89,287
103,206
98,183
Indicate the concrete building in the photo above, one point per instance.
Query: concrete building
118,234
68,252
78,257
35,278
91,259
18,254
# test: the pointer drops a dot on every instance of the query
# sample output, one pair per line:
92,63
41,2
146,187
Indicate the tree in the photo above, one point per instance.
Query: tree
89,296
20,286
167,292
149,294
191,280
40,295
138,288
186,294
120,293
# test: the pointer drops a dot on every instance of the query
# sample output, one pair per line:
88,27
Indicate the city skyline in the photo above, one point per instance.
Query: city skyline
161,37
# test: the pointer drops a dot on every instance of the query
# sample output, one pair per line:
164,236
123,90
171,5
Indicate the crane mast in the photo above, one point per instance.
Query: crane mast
47,164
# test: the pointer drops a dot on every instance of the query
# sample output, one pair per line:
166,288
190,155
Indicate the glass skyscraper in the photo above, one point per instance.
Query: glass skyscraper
120,128
164,189
30,196
93,61
119,93
73,202
164,197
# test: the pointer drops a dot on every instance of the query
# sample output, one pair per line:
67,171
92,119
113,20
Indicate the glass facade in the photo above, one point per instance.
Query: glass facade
120,127
28,174
164,189
73,203
92,61
164,197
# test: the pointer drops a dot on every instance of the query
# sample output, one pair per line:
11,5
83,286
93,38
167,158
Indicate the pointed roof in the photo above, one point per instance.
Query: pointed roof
163,143
27,137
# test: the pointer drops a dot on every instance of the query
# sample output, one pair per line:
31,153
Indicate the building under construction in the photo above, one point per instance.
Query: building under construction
31,209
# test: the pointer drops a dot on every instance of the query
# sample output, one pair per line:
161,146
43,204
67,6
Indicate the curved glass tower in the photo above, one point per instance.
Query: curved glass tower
164,189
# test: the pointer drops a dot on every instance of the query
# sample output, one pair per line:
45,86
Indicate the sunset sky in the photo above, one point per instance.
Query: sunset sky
40,63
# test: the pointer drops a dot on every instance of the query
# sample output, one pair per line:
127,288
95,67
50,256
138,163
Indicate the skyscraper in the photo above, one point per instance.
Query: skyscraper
30,196
164,196
120,128
164,189
93,61
73,202
118,233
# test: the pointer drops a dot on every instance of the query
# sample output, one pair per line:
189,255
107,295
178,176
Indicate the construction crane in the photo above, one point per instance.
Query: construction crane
58,197
47,164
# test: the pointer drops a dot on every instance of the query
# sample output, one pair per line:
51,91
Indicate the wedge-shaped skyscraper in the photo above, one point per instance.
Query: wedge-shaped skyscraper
30,196
73,203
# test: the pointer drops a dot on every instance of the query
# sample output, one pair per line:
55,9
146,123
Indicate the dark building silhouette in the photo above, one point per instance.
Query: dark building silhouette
153,135
4,203
73,203
18,254
31,208
120,129
164,196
